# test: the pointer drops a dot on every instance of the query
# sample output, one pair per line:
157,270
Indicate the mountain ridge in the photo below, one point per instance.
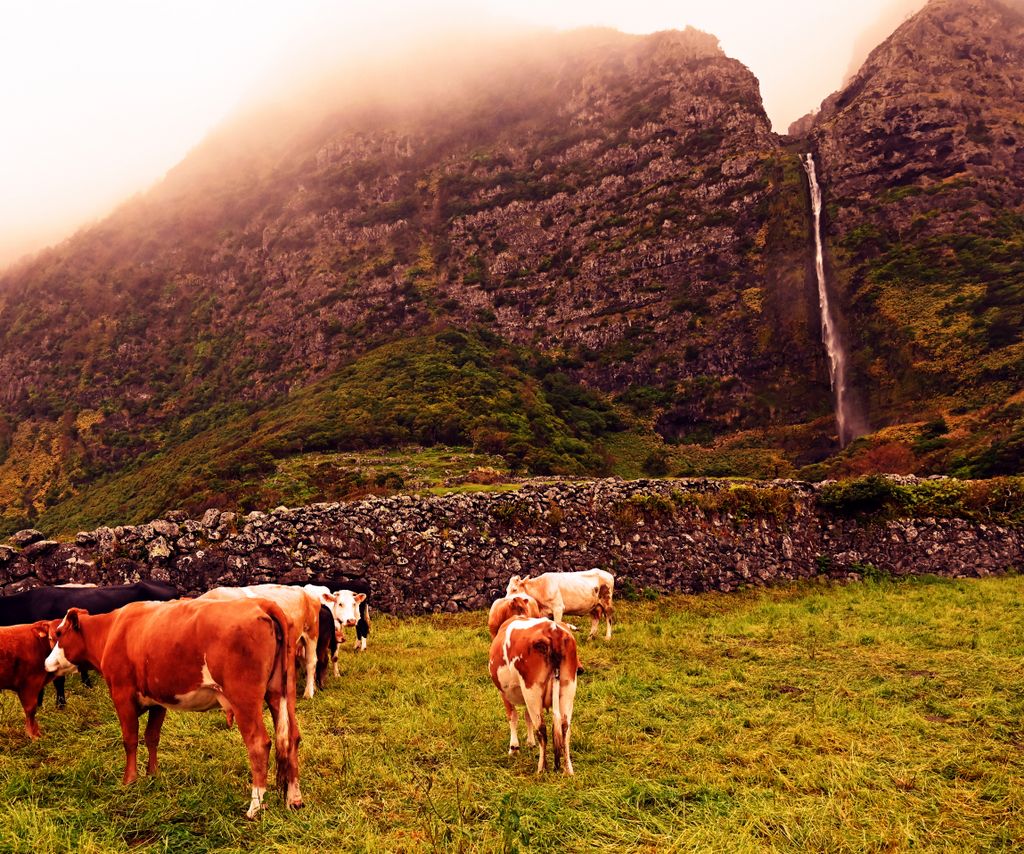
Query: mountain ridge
621,213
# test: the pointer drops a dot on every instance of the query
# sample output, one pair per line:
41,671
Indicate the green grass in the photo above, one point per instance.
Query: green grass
870,717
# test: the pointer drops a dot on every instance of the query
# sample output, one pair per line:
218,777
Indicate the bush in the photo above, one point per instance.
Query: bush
656,464
869,494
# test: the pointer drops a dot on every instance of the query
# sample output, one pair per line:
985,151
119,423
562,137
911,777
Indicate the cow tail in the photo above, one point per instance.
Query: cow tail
283,680
555,662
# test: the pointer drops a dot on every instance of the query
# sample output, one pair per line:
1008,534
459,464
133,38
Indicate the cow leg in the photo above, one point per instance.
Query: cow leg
257,743
153,725
286,741
512,714
83,671
595,621
567,697
310,660
334,660
542,744
534,700
128,715
58,686
29,697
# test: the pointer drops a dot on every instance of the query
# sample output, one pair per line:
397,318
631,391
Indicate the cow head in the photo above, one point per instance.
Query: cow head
344,607
523,606
515,585
68,643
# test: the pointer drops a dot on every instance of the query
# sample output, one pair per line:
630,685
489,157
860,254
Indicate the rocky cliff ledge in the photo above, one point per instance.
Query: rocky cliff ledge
434,553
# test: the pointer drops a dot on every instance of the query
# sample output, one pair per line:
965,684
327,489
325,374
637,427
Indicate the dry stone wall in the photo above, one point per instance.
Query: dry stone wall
445,553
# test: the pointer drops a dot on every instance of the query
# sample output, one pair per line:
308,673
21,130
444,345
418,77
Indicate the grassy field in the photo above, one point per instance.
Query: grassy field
872,717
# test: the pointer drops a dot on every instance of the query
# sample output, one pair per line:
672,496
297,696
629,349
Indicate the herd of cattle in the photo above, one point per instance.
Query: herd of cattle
239,648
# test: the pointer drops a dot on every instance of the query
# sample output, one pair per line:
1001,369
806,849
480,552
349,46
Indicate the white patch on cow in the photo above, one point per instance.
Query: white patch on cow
256,804
207,695
56,662
519,624
294,796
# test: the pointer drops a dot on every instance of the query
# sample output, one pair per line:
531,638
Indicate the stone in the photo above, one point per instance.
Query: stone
25,537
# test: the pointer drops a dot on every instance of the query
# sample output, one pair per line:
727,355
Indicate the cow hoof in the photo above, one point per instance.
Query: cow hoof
298,805
512,751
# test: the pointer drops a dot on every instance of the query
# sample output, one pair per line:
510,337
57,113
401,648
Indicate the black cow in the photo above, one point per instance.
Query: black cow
52,603
326,646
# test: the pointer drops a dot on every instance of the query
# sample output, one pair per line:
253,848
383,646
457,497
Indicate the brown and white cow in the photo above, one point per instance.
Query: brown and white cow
516,605
558,593
193,655
23,651
533,663
302,610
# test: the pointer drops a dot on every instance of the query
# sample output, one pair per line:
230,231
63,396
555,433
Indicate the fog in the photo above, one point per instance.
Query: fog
101,99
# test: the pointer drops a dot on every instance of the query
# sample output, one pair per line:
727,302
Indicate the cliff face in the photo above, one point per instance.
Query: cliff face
922,160
618,203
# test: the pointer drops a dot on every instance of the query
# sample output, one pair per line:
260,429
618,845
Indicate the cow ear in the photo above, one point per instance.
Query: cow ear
360,597
328,599
72,617
41,630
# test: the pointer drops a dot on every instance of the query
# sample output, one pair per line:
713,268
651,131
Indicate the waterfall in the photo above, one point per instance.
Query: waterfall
848,423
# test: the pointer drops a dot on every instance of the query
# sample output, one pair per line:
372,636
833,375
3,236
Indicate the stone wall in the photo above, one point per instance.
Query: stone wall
433,553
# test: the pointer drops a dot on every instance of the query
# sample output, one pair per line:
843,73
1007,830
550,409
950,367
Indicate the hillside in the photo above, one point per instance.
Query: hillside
609,223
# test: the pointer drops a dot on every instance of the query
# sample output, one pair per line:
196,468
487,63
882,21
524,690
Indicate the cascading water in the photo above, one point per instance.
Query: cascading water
846,420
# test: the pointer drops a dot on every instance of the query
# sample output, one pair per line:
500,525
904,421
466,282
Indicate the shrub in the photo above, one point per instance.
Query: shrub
869,494
656,464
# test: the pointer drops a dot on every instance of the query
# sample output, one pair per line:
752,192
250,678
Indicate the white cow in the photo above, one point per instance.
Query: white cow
301,609
558,593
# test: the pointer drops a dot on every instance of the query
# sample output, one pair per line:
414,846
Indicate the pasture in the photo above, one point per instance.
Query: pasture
869,717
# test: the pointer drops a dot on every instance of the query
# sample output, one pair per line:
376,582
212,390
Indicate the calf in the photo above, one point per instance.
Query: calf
558,593
23,651
52,603
533,663
302,610
193,655
516,605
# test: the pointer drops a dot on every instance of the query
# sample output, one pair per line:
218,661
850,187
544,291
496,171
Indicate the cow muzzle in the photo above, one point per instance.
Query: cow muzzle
57,662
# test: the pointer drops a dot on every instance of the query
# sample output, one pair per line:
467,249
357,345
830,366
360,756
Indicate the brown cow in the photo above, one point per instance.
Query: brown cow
193,655
533,663
516,605
23,650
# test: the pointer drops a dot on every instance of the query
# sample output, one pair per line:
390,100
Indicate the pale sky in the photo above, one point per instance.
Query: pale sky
99,98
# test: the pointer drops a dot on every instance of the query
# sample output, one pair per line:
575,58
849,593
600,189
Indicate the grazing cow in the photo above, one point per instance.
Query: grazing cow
193,655
302,610
516,605
52,603
558,593
354,595
23,651
533,663
326,646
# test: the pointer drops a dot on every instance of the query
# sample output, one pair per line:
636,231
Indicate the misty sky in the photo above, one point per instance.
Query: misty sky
99,98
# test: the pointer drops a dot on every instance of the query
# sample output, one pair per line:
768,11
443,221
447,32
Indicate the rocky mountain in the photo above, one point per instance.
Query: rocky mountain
922,158
572,253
